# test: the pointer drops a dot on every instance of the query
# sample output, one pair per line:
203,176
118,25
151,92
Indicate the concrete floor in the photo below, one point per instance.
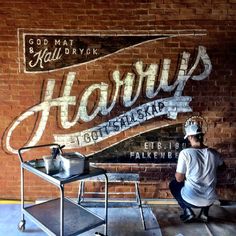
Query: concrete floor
222,221
122,221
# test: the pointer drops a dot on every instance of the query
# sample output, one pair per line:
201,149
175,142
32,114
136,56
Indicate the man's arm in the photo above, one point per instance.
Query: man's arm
181,167
179,177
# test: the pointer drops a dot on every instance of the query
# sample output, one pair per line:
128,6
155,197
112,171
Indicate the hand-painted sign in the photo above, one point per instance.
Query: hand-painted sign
49,52
52,52
149,147
169,106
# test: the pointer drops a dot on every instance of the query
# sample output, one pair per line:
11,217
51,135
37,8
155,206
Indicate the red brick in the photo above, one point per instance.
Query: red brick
213,98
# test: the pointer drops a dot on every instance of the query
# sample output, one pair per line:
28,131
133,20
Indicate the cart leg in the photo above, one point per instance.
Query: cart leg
81,191
106,204
140,204
21,225
62,210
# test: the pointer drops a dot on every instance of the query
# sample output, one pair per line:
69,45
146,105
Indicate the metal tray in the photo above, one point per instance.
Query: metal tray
77,219
38,163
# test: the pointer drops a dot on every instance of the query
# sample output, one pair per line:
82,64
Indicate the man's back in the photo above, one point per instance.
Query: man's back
199,166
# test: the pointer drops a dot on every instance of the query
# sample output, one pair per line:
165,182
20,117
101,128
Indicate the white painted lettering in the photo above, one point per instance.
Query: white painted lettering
167,106
44,56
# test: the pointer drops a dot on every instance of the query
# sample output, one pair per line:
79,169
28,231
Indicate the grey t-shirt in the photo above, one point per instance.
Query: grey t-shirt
199,166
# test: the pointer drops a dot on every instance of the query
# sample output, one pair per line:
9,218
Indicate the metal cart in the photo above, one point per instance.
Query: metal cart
60,216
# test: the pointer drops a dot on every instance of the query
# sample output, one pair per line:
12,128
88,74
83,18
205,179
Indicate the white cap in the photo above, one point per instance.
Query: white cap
192,129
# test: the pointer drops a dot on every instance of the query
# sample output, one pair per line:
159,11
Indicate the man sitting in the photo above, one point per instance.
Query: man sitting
195,177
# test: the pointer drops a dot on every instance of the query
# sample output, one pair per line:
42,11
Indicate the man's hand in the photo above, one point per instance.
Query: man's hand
179,177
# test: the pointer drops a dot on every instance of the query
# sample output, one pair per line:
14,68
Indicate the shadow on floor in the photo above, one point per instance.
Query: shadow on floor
222,221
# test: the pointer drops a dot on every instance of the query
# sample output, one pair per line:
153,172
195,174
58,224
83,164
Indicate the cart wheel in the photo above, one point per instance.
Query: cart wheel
99,234
21,226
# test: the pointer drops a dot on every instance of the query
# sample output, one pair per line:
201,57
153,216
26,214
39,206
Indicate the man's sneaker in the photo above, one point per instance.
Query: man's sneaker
187,216
203,218
203,215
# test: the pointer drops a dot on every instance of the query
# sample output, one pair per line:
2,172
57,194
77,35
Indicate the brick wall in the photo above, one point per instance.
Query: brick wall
213,98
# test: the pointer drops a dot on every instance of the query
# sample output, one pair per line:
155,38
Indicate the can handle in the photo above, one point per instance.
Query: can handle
23,149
